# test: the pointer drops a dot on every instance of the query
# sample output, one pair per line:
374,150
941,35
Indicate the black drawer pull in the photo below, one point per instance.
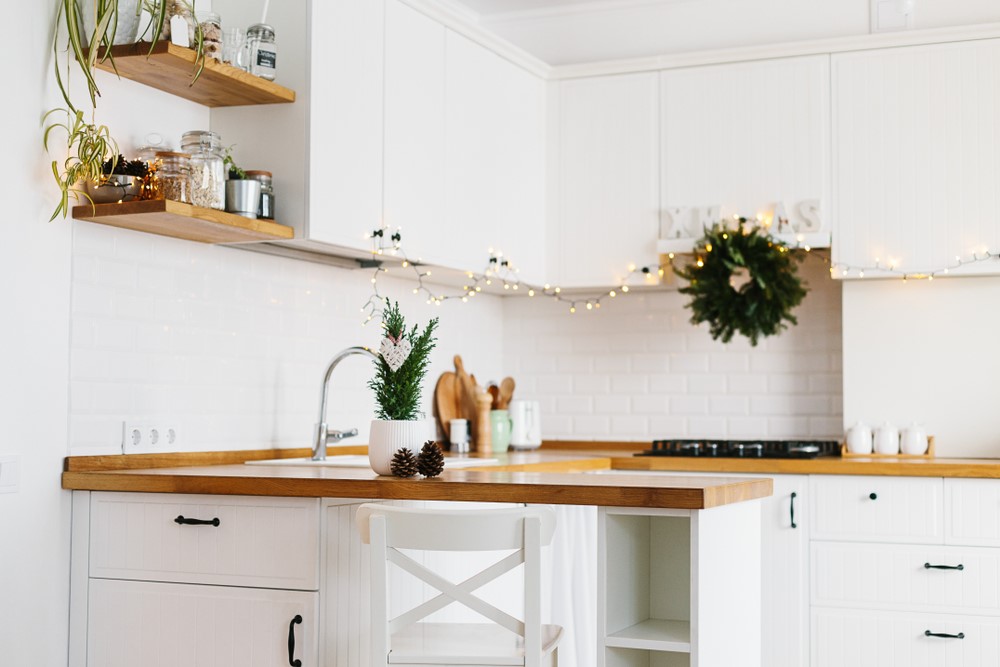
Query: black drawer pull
873,495
292,660
791,509
944,635
183,521
928,566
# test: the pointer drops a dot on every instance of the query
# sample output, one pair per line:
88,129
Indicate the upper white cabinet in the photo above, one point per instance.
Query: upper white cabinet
607,177
916,155
495,160
415,132
746,139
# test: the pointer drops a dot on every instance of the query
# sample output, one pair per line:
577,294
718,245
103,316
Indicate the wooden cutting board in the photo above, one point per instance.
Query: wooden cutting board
446,402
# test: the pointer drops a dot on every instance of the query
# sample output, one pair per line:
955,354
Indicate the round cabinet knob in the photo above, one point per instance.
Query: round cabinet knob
873,495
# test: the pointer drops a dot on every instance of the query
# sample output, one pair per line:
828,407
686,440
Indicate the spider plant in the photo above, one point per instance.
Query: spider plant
90,146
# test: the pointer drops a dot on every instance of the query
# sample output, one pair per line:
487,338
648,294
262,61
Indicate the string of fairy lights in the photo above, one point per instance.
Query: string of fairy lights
501,271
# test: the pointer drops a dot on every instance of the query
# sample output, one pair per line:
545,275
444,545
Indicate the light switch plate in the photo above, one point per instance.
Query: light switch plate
890,15
10,474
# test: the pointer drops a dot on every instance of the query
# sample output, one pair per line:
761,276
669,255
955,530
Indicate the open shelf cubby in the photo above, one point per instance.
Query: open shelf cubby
624,657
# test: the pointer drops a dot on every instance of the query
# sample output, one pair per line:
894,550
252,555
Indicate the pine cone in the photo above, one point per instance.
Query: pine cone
430,461
404,463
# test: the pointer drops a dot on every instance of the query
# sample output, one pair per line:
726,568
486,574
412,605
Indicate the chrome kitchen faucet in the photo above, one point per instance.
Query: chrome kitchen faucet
323,435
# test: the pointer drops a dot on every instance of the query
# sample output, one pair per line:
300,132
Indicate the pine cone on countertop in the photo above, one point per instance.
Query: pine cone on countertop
404,463
430,461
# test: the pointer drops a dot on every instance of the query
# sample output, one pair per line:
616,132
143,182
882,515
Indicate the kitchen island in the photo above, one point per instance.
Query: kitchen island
181,544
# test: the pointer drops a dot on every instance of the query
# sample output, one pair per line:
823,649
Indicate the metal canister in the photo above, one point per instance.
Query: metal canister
266,207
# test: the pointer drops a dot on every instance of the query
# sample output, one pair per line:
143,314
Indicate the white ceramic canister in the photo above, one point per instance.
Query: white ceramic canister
859,439
886,439
913,440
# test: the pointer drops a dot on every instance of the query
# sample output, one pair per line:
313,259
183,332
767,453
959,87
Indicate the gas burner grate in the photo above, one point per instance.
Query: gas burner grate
744,449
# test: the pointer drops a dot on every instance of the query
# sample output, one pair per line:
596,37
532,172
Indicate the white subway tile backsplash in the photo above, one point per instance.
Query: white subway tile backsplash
729,362
592,426
575,405
627,427
612,405
668,384
692,362
629,383
594,385
706,384
650,363
688,405
650,404
736,406
747,384
707,427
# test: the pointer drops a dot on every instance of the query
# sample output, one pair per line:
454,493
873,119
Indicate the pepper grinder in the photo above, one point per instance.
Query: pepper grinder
484,438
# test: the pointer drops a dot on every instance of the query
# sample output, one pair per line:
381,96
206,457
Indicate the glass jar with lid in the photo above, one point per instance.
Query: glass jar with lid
207,173
262,54
265,208
172,176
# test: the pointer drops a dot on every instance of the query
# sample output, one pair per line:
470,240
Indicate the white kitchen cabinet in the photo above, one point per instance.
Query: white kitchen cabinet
972,512
916,158
743,139
145,623
415,133
606,178
495,161
670,592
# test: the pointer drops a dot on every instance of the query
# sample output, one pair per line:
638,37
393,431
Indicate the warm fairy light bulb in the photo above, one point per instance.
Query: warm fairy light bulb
531,292
489,282
546,286
661,272
465,299
558,289
930,277
612,294
945,271
415,290
405,264
808,248
624,288
861,274
708,247
700,263
506,286
725,236
844,272
478,288
631,267
671,255
597,305
428,273
590,306
374,281
572,309
516,286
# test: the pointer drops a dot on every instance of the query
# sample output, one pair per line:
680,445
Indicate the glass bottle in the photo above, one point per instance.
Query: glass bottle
207,174
265,209
173,175
261,51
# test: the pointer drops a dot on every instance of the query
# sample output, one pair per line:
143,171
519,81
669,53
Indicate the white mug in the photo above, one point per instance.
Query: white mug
913,440
859,439
526,430
886,439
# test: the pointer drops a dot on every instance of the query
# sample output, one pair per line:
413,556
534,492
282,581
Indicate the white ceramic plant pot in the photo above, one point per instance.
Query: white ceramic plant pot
389,436
127,30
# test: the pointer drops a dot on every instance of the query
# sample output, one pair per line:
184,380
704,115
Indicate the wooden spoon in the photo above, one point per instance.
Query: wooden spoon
494,395
506,391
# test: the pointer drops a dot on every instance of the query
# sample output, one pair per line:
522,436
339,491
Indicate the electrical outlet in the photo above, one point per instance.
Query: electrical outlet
147,438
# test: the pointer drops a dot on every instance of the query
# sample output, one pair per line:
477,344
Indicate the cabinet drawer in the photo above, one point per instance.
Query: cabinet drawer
263,542
142,623
973,510
857,638
855,574
878,509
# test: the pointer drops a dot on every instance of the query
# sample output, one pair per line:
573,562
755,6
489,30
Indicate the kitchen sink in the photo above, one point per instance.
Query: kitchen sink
361,461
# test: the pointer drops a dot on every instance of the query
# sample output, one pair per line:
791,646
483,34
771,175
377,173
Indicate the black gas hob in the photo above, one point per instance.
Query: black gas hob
744,449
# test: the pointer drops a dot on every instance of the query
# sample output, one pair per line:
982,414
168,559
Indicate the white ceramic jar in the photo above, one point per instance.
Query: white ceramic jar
886,439
913,440
859,439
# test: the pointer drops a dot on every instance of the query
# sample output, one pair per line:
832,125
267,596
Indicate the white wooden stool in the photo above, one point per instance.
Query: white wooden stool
404,640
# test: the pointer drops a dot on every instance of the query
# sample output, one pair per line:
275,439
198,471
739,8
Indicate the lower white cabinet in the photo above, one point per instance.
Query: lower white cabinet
150,623
856,638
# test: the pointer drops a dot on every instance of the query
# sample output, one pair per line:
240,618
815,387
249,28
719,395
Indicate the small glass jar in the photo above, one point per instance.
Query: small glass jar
211,33
262,53
172,176
207,174
265,209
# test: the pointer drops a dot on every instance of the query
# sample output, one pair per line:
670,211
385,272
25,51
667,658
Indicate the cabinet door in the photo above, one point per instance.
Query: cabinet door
607,187
415,132
785,573
144,623
972,512
916,155
746,137
345,123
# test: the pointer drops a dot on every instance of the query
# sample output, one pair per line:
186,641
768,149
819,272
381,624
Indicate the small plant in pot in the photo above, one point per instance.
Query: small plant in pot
400,370
121,180
242,192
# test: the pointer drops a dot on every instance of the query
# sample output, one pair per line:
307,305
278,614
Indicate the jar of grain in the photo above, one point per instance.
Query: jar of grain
172,176
207,173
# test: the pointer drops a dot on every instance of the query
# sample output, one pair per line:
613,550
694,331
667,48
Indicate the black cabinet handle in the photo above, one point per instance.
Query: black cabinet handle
928,566
292,660
184,521
944,635
873,495
791,509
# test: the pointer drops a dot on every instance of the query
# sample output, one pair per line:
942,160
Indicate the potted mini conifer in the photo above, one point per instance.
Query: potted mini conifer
400,369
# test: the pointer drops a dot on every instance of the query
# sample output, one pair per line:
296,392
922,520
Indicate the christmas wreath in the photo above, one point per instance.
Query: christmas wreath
742,280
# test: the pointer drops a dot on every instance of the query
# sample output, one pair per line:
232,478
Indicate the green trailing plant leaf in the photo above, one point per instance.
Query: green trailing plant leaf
759,308
89,146
398,392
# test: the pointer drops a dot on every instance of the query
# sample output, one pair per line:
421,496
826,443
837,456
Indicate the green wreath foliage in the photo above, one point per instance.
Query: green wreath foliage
763,305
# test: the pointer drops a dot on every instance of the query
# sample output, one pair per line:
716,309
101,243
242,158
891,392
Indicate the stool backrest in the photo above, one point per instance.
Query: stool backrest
388,529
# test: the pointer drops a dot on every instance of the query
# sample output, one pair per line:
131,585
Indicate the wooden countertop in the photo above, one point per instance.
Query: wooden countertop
533,477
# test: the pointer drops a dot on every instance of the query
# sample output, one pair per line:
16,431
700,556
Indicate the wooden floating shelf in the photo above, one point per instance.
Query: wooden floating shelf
183,221
171,68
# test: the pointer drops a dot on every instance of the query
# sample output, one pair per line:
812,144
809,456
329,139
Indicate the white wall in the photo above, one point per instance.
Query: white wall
229,346
925,352
637,369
